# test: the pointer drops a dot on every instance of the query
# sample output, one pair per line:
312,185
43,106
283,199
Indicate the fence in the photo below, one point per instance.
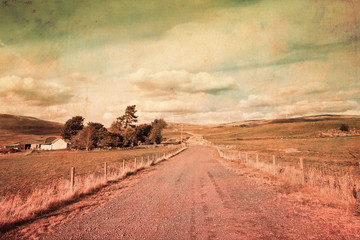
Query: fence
338,182
112,173
15,209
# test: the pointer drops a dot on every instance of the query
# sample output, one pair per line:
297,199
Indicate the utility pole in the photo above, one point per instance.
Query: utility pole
181,133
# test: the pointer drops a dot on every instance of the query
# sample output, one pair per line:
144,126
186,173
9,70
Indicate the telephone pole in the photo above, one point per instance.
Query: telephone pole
181,133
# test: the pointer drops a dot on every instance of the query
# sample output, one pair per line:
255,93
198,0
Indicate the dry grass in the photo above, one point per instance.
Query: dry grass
265,129
20,174
336,183
173,131
44,197
331,164
21,128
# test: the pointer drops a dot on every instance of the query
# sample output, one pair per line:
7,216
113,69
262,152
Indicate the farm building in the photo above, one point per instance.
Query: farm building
29,144
50,143
14,146
53,143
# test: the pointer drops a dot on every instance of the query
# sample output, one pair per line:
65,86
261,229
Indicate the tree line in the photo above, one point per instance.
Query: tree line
122,133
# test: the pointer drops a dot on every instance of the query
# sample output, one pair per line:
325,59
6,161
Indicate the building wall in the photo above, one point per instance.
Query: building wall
35,146
59,144
46,147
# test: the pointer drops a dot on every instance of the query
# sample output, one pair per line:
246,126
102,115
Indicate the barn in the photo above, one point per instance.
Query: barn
29,144
53,143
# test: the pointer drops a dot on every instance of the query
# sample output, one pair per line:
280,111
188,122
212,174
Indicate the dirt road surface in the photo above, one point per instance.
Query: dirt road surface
194,196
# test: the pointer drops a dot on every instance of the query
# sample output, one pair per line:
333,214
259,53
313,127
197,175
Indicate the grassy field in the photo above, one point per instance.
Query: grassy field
297,138
40,182
173,131
331,157
21,174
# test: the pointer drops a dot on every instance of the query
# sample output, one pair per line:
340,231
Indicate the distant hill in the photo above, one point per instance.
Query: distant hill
300,127
17,128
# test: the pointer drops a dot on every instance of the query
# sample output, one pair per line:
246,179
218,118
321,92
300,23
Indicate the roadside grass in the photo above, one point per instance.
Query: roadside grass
48,191
335,181
21,174
331,164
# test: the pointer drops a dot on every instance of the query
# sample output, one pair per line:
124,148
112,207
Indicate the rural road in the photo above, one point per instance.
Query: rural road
194,196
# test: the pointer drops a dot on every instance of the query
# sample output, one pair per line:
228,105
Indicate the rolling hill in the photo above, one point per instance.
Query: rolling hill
20,128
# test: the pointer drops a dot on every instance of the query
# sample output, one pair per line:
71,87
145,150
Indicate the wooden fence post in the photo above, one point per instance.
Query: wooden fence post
72,178
135,164
274,165
257,158
105,170
302,170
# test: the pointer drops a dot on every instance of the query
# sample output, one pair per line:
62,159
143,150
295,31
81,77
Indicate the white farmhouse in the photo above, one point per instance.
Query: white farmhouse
54,144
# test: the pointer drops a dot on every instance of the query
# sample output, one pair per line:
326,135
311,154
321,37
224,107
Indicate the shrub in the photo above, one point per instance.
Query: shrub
344,127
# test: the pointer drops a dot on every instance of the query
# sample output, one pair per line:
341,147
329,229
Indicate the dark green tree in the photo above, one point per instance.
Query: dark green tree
126,120
344,127
129,117
72,127
98,134
143,132
129,135
112,140
92,136
156,131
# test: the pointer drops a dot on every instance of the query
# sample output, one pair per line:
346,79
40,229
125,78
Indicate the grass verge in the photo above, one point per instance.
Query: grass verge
16,210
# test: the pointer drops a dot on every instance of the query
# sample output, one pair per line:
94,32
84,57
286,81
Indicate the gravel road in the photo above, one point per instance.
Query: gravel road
194,196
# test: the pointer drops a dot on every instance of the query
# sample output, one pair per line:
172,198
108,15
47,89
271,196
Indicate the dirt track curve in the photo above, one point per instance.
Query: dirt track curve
194,196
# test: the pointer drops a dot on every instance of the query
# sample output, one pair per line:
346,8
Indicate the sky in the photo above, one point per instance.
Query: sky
198,61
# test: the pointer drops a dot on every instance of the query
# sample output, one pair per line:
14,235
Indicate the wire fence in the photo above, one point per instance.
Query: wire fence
337,181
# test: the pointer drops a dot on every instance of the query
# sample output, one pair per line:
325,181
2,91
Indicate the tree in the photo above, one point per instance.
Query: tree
112,140
129,135
344,127
143,132
125,120
92,136
129,117
156,130
72,127
99,133
83,140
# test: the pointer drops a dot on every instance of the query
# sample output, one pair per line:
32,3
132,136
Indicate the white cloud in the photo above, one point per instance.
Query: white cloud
307,107
42,93
254,101
181,81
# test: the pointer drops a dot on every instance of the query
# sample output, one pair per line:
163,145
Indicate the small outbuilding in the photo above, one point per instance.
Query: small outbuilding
54,143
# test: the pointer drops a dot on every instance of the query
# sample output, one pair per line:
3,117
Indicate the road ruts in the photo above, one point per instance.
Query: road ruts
193,196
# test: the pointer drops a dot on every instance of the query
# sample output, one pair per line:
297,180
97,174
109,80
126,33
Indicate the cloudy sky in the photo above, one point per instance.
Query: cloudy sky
196,61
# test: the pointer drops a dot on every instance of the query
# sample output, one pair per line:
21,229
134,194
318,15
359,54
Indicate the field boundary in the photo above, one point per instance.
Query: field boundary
15,211
341,187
